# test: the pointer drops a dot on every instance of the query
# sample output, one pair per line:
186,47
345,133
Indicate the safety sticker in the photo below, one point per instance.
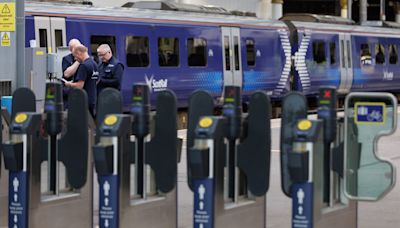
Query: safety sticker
7,17
5,39
370,113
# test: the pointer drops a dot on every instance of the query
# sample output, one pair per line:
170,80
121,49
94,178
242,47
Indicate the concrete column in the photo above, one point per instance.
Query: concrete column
277,9
363,11
396,7
264,9
383,10
20,19
344,9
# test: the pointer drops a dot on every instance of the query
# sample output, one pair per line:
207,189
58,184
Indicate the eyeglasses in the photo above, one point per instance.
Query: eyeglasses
102,54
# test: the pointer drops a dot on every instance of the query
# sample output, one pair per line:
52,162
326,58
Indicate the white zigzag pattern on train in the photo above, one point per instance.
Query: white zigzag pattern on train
287,48
300,61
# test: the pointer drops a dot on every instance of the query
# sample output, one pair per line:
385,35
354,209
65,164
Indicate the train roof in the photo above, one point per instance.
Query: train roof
372,31
149,15
329,24
317,18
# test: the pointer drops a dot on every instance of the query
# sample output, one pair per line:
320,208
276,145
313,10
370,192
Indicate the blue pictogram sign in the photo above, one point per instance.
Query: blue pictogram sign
18,200
108,204
370,113
203,214
302,205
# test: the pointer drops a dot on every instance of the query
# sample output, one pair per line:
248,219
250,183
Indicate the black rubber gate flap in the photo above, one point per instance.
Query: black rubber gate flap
254,153
109,102
201,104
23,100
161,150
294,107
73,147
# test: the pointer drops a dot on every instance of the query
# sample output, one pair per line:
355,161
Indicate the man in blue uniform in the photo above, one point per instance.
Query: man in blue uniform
110,69
86,76
69,67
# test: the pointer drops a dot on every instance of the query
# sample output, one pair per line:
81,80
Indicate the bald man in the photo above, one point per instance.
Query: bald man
69,65
86,76
110,69
69,68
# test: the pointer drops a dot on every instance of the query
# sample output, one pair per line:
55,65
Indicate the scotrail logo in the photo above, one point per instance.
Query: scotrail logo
156,85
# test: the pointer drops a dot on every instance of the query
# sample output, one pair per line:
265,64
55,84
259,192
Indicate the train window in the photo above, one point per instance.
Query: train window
227,53
251,53
379,54
59,38
349,53
96,41
137,51
365,55
332,48
197,52
43,37
393,56
168,51
319,52
343,53
236,50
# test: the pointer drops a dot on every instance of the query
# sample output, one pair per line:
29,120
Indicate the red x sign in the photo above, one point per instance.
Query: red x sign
327,94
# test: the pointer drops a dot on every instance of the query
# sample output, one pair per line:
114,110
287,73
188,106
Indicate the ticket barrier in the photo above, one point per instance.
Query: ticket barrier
137,167
317,202
229,145
55,138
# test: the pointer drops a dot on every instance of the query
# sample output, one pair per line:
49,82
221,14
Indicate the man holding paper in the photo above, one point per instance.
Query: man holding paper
86,76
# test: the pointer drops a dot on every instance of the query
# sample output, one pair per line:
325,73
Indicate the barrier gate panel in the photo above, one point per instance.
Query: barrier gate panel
369,177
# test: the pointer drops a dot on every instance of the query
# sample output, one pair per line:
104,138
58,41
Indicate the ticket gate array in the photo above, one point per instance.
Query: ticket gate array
53,137
141,145
327,163
229,160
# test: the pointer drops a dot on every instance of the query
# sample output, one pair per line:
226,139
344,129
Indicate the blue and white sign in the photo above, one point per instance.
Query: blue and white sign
18,200
108,204
302,205
370,113
203,214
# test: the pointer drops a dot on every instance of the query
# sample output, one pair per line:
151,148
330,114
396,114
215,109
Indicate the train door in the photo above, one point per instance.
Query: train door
232,59
50,32
346,63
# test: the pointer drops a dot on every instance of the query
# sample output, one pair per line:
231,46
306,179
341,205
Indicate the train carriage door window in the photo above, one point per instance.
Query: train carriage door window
343,51
168,51
346,70
332,49
96,41
379,54
349,54
227,53
59,38
251,53
393,56
232,53
57,33
365,55
319,52
43,42
197,52
237,54
43,32
137,51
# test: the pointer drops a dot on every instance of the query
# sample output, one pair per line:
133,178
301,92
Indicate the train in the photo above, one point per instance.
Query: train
186,51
